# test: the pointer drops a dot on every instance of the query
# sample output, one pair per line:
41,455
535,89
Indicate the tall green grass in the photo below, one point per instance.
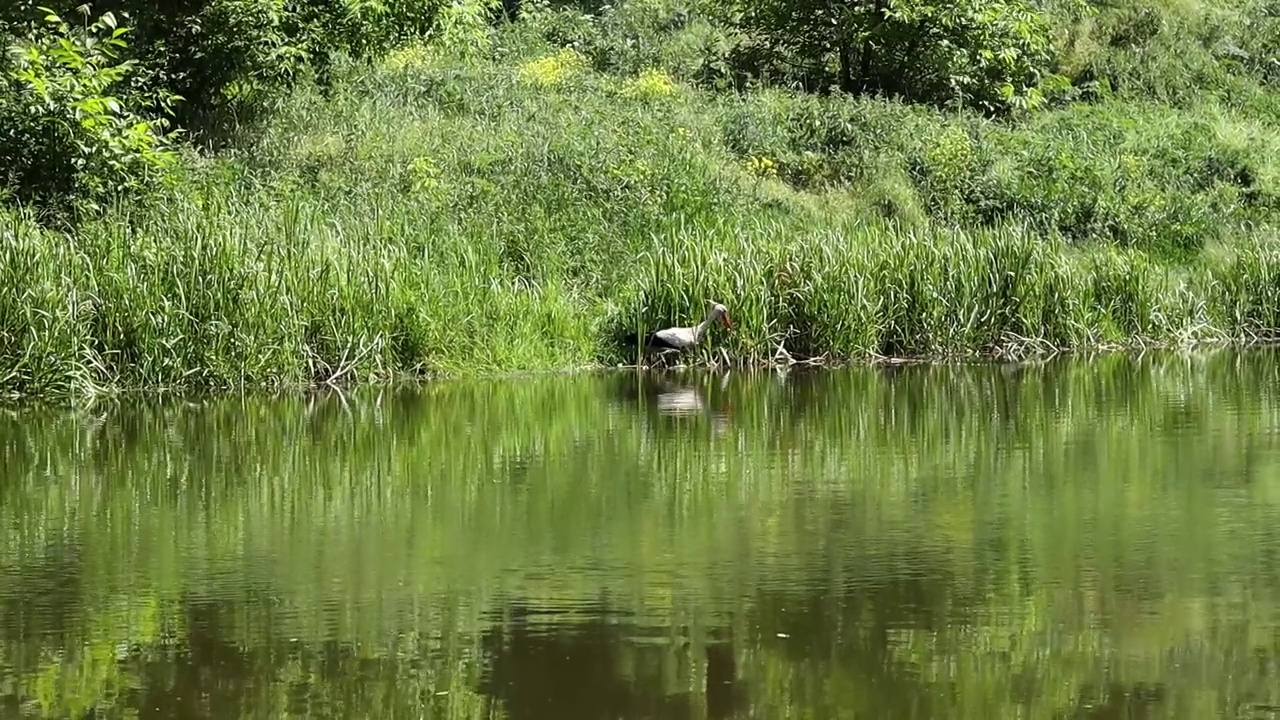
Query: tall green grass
449,216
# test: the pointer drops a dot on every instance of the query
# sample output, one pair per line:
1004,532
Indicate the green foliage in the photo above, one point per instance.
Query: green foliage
230,63
990,55
1134,176
222,60
1180,53
1011,56
357,29
465,216
462,26
67,138
692,40
84,114
612,185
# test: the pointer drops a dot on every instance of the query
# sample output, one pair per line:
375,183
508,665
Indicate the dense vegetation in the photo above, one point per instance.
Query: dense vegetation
257,192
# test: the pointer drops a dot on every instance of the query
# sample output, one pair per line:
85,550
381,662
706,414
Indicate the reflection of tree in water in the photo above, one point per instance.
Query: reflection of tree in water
1120,702
209,675
838,649
39,598
548,671
831,645
813,648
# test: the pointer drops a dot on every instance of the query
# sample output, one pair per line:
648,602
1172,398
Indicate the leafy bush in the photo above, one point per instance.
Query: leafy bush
1184,54
229,62
691,40
66,137
1135,176
220,58
990,55
360,29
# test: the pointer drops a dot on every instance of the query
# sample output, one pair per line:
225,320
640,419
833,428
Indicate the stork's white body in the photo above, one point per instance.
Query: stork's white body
678,338
683,338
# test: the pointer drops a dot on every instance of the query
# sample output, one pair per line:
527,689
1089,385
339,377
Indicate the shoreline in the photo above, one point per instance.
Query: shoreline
79,401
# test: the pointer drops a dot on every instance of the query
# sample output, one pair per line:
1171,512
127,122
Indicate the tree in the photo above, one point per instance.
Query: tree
68,140
989,54
226,61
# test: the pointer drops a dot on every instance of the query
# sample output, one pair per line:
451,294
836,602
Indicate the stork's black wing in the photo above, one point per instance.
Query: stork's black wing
647,340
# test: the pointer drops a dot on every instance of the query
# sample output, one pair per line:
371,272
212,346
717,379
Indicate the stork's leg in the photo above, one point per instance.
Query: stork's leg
663,354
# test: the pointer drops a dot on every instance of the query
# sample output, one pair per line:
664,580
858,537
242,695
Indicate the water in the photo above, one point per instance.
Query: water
1089,539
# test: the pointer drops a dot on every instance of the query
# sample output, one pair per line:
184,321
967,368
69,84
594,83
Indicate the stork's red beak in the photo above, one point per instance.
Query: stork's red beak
727,322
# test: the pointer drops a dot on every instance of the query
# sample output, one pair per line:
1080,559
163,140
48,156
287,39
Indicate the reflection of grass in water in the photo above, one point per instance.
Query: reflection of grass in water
1064,520
76,682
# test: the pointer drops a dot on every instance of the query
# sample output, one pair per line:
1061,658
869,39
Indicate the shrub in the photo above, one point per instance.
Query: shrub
66,137
650,84
229,62
825,142
989,55
1130,175
1185,54
690,40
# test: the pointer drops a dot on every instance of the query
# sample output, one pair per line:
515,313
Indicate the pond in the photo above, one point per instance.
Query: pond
1091,538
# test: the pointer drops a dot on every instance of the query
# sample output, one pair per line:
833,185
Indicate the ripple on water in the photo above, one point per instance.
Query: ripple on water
1067,540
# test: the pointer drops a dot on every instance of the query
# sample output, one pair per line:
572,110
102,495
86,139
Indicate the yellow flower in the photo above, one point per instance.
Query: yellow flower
410,56
762,166
552,69
650,84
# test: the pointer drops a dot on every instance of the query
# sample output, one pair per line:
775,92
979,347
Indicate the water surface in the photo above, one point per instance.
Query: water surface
1085,539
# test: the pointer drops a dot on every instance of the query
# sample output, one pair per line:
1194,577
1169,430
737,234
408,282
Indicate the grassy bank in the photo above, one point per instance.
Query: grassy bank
516,209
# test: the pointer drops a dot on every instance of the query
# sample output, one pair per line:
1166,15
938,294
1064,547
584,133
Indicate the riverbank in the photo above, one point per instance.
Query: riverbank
448,215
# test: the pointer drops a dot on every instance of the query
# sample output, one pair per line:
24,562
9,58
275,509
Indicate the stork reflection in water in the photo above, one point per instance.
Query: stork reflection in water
671,397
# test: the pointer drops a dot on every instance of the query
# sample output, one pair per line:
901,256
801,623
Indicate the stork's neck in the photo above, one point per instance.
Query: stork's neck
701,327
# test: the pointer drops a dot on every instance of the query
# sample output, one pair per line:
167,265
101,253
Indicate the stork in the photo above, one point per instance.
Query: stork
679,339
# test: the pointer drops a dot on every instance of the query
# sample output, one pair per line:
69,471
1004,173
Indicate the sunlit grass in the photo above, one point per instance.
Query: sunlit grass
440,217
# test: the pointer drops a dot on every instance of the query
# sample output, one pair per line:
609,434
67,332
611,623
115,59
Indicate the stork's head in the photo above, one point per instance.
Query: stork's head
719,312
